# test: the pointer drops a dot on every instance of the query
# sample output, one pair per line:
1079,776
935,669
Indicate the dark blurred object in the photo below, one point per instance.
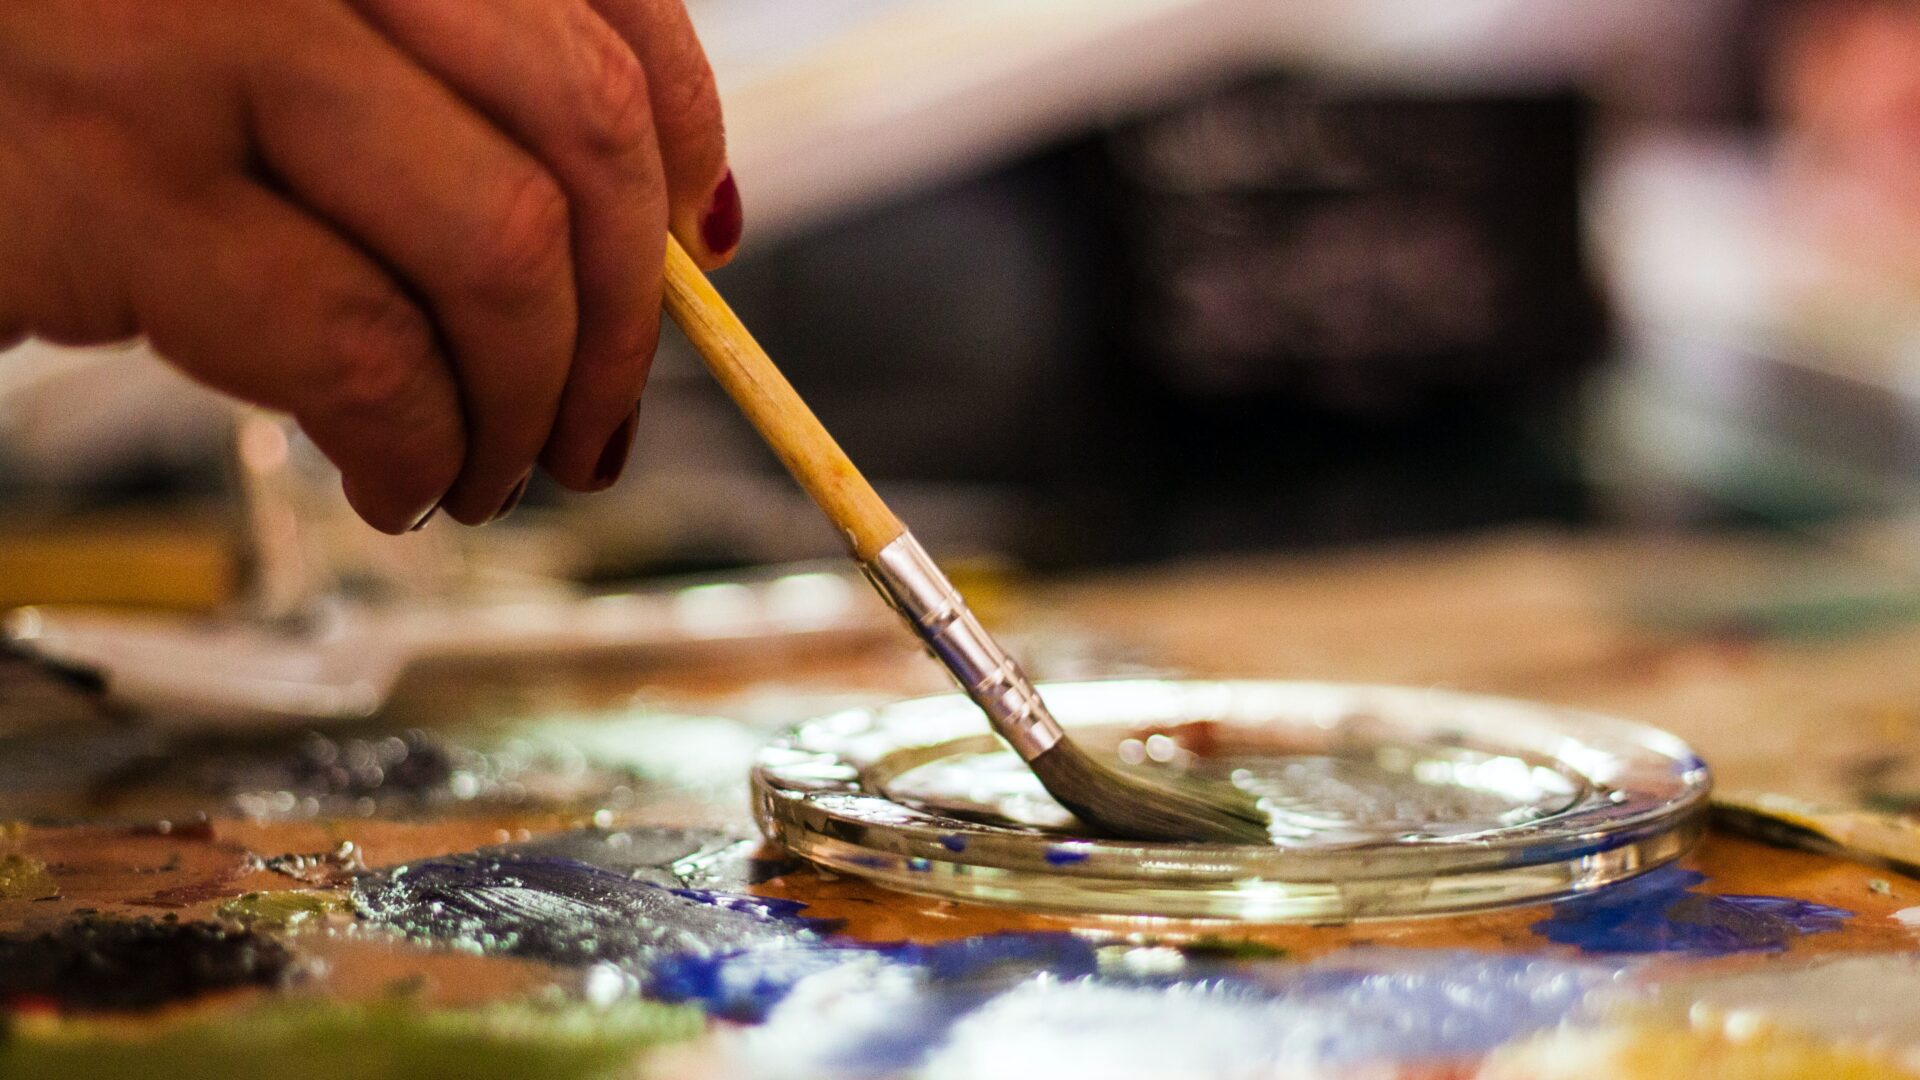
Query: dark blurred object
1281,315
1363,256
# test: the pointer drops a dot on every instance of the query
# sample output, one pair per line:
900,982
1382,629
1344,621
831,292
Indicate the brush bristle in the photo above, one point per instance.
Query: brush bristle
1136,807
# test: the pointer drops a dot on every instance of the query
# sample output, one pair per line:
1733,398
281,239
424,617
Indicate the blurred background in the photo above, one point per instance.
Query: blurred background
1089,283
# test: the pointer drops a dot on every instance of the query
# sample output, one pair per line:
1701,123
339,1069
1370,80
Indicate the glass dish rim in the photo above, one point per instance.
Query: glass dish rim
811,801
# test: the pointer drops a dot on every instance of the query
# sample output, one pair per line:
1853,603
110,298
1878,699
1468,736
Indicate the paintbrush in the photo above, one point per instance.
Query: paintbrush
1102,795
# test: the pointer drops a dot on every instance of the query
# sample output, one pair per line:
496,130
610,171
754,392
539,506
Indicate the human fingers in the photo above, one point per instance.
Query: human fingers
470,223
704,200
248,294
554,76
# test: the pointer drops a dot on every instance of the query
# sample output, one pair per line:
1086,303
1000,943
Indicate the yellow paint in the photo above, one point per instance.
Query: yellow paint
283,910
22,878
1659,1052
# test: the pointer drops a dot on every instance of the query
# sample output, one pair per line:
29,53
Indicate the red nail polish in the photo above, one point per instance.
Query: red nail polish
720,228
613,459
513,498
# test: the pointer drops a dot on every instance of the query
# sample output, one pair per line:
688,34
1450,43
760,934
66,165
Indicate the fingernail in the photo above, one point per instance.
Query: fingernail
613,459
424,518
720,227
513,497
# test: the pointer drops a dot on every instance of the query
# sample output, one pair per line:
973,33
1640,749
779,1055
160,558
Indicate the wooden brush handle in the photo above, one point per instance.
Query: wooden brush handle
783,420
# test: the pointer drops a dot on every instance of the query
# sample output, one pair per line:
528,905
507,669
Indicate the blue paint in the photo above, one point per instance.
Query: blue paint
920,866
871,862
971,959
740,985
954,842
1065,855
1660,912
768,907
745,984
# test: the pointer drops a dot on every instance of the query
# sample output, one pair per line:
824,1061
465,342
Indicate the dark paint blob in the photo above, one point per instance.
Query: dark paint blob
126,964
1659,912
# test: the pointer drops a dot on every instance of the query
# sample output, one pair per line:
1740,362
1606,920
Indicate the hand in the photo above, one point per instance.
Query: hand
431,230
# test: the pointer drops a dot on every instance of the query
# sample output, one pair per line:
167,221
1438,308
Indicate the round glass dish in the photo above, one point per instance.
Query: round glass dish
1386,802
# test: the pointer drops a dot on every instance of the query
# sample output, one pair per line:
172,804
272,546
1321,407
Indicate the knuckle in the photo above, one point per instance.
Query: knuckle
522,256
692,103
382,352
614,112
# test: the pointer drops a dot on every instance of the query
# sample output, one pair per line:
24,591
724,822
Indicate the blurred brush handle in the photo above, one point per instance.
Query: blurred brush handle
896,563
776,410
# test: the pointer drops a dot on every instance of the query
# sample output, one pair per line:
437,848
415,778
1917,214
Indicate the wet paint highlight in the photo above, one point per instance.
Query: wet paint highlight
283,910
567,912
1660,913
1065,855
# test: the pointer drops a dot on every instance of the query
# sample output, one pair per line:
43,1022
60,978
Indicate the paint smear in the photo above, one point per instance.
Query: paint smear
567,912
315,1040
95,963
995,1006
1909,918
1659,912
1660,1052
22,878
987,1005
747,984
1855,1000
283,910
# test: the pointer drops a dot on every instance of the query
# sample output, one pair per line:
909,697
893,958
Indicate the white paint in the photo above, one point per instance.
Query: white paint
1908,917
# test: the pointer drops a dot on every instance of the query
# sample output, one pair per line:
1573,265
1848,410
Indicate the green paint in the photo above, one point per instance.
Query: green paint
283,910
22,878
384,1041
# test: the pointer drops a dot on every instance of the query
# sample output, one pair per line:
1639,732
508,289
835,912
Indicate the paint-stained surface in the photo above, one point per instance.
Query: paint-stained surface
504,881
811,977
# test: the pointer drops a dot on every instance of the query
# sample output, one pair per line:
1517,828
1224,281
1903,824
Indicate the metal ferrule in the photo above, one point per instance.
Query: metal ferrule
908,578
